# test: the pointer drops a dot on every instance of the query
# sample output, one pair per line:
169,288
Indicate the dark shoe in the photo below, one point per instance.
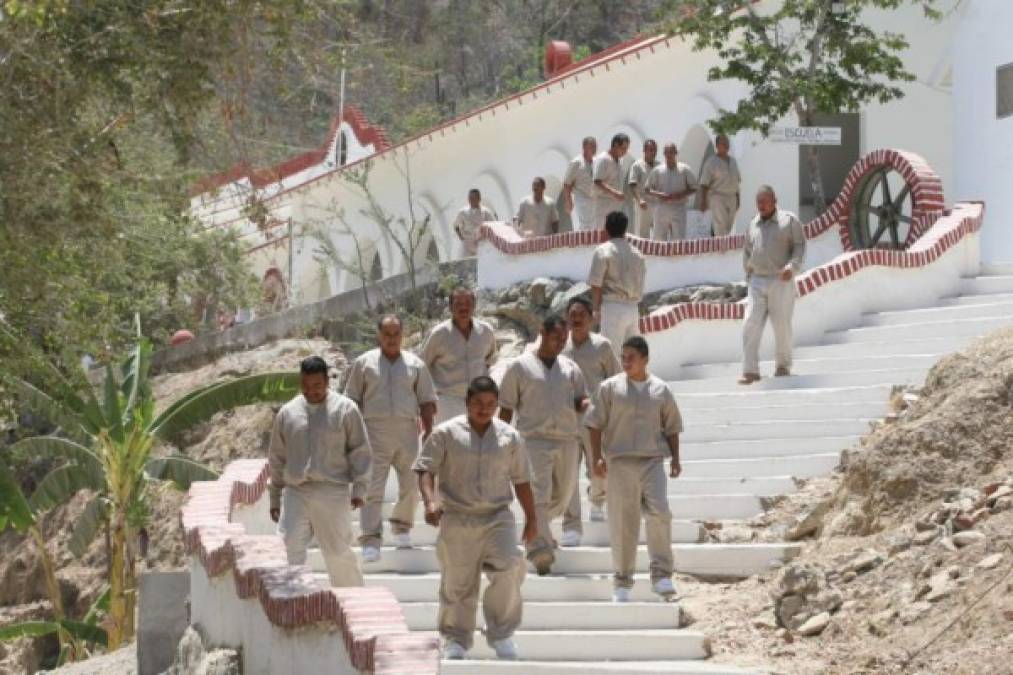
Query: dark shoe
749,378
542,560
782,372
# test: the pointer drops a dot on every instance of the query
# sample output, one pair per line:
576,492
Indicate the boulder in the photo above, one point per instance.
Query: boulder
968,537
989,562
815,625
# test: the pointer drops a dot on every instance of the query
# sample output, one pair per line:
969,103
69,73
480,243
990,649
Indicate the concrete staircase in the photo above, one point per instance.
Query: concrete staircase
741,445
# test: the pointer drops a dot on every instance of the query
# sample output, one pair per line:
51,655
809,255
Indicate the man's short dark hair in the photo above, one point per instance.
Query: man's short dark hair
722,138
388,317
616,223
481,385
552,322
474,191
638,343
462,290
313,365
650,141
583,302
539,180
589,139
620,139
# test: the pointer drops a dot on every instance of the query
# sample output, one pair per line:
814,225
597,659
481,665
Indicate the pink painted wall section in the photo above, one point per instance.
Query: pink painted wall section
370,620
926,192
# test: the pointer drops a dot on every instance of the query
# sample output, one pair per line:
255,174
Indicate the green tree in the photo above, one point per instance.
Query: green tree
798,56
103,444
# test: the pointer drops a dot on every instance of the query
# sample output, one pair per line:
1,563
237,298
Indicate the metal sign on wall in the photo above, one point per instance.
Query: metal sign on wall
807,135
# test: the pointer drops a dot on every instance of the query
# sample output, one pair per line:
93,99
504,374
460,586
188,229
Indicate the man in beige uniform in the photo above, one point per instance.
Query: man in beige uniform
457,351
394,391
643,201
536,216
773,255
671,184
468,223
476,459
597,361
578,185
547,391
617,283
719,187
608,185
318,449
632,416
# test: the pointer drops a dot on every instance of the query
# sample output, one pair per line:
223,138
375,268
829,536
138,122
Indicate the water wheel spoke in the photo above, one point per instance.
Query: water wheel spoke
894,235
898,203
905,219
874,210
879,233
886,189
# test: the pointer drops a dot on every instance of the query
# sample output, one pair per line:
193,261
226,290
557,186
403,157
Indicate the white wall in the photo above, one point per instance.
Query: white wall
982,144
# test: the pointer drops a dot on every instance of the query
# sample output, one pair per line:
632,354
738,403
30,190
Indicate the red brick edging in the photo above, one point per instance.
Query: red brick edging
370,620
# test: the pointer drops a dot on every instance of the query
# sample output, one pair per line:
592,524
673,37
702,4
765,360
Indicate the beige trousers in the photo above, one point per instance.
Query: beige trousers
583,214
449,407
572,520
723,209
644,220
619,321
467,546
395,443
669,223
324,510
553,481
638,487
768,297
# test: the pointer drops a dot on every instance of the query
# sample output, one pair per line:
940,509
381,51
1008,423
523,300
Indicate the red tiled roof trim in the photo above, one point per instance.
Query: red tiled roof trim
926,194
941,231
369,620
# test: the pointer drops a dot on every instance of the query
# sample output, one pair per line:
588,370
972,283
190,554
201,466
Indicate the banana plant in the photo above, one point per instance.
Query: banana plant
103,444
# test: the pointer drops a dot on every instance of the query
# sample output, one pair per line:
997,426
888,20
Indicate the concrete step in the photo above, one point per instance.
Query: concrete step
768,447
765,429
522,667
811,366
980,310
975,299
730,560
997,269
988,284
860,350
566,615
788,414
799,466
766,486
728,385
742,397
601,645
595,533
950,328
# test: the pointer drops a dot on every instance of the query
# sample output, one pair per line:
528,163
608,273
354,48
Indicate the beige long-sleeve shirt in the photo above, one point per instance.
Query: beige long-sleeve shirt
543,399
634,422
539,217
578,175
469,221
639,173
453,360
618,268
475,474
389,389
324,443
772,244
721,176
595,358
609,171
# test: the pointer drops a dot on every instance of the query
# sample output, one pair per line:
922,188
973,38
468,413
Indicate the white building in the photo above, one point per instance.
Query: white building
957,114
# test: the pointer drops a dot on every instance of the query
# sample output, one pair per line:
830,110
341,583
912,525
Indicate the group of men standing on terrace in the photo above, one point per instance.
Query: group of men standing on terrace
654,193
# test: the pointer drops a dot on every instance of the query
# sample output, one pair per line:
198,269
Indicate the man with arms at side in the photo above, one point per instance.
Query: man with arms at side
319,461
773,254
643,201
634,422
475,461
457,351
719,187
616,279
395,393
608,174
468,223
578,186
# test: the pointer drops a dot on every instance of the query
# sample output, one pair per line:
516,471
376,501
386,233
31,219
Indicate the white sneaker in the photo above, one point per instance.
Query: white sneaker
596,514
505,649
570,538
370,554
403,540
664,588
622,595
454,650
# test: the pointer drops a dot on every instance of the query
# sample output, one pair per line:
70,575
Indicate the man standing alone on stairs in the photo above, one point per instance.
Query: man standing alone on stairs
394,391
475,461
457,351
719,188
773,254
319,462
633,415
547,391
617,283
597,361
